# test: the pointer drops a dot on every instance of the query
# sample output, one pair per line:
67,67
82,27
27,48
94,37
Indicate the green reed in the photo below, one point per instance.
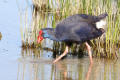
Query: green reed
50,12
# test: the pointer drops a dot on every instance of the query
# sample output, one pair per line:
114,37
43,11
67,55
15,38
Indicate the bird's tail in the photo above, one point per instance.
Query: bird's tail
102,16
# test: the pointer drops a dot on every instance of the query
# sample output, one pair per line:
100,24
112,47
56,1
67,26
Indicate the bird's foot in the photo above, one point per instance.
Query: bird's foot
62,55
55,61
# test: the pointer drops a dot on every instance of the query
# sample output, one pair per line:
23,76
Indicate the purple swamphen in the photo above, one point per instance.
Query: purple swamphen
78,28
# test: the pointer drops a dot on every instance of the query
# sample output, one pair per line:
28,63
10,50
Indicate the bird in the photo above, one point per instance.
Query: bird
77,28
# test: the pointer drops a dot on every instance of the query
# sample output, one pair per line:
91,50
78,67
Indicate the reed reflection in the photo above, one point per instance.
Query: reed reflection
37,64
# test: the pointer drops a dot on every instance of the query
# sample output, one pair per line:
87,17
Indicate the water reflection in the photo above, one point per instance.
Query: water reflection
40,67
66,75
89,71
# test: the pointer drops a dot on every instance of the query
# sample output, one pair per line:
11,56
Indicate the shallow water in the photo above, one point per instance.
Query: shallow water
19,64
68,69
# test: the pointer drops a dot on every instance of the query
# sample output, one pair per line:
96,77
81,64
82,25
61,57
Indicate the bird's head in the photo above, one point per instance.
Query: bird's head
40,37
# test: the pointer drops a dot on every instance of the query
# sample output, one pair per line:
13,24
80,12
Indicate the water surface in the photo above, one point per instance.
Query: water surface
10,41
31,64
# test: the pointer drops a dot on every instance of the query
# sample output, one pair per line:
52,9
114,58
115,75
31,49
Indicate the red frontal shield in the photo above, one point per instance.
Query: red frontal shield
40,38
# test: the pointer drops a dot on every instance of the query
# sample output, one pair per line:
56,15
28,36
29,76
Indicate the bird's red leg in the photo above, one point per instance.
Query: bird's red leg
65,52
89,52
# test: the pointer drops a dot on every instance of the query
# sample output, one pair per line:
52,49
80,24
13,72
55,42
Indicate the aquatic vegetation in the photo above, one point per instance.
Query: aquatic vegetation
0,35
48,13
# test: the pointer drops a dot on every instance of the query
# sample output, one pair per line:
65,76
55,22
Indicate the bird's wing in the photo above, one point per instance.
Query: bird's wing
79,32
78,18
82,18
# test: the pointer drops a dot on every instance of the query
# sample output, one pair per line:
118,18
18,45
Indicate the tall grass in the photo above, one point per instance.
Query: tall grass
48,13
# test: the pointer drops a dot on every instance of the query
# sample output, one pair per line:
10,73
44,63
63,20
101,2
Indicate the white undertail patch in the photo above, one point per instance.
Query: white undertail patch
101,24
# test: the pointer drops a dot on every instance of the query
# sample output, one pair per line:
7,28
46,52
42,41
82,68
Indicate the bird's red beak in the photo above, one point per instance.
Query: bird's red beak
40,38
